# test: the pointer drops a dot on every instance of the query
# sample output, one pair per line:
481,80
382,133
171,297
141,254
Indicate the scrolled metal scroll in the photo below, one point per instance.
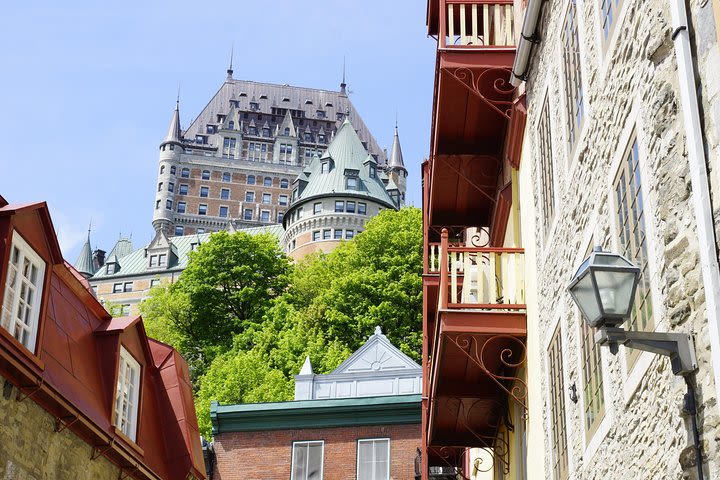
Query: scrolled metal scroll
500,86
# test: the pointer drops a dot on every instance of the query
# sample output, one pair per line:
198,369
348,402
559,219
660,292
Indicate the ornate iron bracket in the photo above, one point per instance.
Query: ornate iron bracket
468,345
445,453
460,173
495,78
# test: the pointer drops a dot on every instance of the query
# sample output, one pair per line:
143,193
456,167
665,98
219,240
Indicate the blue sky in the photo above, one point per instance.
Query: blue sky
87,90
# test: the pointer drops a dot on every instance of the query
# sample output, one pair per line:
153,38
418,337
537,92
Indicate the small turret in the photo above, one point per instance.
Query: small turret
170,150
396,167
84,263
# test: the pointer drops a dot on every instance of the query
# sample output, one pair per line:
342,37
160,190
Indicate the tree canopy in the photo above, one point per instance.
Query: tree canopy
245,318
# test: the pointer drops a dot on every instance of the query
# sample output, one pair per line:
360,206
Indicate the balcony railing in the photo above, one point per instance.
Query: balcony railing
476,23
478,277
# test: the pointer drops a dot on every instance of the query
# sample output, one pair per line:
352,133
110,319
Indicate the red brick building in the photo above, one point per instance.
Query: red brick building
84,395
361,421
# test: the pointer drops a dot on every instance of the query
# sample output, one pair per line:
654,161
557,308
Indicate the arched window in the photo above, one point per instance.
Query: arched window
172,170
185,173
287,130
284,183
231,125
162,169
251,179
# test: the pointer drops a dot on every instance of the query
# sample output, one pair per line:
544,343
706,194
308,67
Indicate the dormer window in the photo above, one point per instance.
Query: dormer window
265,132
252,130
263,97
127,394
324,167
373,171
320,113
111,268
308,137
210,129
287,131
351,183
321,138
231,125
254,106
339,116
23,293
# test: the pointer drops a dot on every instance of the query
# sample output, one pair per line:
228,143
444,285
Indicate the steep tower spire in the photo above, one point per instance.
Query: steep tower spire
174,135
396,157
396,170
84,262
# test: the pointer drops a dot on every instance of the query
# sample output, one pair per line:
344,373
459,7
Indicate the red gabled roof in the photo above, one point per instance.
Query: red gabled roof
74,365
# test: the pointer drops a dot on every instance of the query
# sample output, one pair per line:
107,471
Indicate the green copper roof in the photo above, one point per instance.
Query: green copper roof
84,262
123,247
136,263
345,157
336,412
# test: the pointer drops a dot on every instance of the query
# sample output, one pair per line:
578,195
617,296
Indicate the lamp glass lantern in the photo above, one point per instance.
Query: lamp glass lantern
604,288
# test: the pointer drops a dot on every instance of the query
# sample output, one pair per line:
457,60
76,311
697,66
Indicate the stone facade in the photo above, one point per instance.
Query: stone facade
34,451
630,91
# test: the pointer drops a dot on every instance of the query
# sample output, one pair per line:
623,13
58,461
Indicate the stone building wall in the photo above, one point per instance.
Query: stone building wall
32,450
267,455
630,84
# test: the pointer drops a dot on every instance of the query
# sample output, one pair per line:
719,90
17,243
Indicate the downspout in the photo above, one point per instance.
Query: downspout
528,38
700,197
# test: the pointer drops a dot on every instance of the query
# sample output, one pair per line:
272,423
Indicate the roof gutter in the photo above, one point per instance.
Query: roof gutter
528,38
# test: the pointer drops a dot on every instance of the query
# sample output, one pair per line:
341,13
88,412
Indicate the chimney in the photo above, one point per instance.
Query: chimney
98,257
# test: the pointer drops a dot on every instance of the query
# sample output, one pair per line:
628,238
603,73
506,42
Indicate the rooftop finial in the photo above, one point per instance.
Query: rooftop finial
343,85
396,116
230,69
89,228
177,99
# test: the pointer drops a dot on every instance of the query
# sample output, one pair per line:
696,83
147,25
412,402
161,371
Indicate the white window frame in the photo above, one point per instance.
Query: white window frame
322,458
126,360
357,459
8,312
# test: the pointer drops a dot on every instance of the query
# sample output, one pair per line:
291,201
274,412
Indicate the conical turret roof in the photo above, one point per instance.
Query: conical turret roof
84,262
174,135
396,157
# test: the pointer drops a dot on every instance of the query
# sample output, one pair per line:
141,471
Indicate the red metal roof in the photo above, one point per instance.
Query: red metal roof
73,372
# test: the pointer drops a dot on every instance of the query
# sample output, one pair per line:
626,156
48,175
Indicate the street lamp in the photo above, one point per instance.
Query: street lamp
603,287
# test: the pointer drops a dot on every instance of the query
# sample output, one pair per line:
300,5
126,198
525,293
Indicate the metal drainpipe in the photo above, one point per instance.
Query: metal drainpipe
700,197
690,407
526,42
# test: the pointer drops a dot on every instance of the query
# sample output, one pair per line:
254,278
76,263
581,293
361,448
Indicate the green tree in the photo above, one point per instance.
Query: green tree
229,283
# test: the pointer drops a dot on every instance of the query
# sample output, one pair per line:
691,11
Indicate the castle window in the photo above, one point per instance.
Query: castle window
373,171
324,167
326,234
172,170
210,129
171,187
316,235
321,138
168,205
280,216
204,192
264,215
179,230
349,234
185,173
266,198
308,137
206,174
251,179
286,151
339,206
181,207
317,208
223,212
160,186
248,214
153,263
225,194
202,209
183,190
162,260
249,196
320,113
351,183
157,204
265,132
557,408
117,287
283,200
284,183
350,207
546,166
126,394
287,131
162,169
362,208
337,235
573,75
252,130
127,287
307,460
373,459
254,106
267,181
231,125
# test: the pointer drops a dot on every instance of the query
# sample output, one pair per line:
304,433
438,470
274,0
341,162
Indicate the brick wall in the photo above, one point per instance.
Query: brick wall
267,455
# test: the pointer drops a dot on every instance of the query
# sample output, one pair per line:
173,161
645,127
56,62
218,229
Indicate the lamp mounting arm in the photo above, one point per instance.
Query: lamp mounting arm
678,346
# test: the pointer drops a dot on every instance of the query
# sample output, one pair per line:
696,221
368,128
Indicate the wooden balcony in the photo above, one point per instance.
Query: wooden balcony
476,332
467,24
